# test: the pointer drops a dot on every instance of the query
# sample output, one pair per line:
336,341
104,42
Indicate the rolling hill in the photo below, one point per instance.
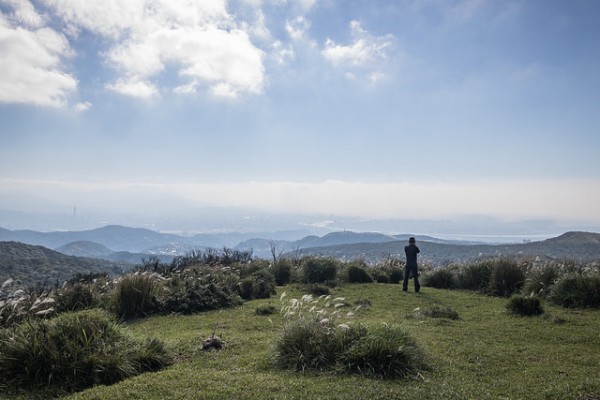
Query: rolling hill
583,246
31,264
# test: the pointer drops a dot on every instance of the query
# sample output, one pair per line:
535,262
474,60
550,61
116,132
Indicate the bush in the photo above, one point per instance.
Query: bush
380,275
524,305
314,343
384,351
358,274
320,270
74,351
507,277
475,276
259,285
539,282
577,291
196,297
136,296
282,272
317,289
313,339
440,278
76,297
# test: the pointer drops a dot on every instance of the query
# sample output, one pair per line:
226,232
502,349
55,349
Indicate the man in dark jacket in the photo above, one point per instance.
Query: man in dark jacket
411,265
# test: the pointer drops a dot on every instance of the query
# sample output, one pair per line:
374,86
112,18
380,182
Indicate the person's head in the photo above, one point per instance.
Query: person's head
411,240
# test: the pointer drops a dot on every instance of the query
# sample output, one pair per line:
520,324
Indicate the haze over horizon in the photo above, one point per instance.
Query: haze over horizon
363,110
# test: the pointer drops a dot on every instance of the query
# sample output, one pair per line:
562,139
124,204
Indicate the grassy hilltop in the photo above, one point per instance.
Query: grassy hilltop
485,354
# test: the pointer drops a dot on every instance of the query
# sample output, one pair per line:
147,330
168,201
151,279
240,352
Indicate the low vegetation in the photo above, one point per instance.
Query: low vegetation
341,339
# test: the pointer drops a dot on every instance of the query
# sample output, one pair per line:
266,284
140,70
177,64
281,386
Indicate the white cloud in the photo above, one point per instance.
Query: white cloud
366,50
31,66
134,87
197,38
81,107
297,27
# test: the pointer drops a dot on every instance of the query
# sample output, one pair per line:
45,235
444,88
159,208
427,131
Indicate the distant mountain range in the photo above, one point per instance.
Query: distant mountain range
582,246
130,245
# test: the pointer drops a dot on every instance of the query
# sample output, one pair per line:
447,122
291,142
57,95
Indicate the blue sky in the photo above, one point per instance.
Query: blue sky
383,109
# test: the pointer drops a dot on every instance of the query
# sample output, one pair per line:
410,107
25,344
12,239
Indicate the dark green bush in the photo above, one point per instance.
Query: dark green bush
383,351
76,297
282,271
380,275
358,274
475,276
259,285
136,296
396,274
320,270
507,278
72,352
524,305
310,343
577,291
195,297
440,278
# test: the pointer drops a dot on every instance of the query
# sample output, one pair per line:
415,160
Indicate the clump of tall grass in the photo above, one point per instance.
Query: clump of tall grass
357,273
74,351
17,305
507,277
136,295
540,281
315,338
577,291
440,278
524,305
319,270
475,276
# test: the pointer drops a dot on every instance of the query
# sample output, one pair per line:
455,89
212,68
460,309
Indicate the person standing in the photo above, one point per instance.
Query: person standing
411,252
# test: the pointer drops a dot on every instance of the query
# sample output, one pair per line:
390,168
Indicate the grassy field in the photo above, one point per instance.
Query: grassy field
485,354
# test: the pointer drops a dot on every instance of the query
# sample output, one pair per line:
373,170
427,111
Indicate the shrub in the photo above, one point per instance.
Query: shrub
282,272
320,270
135,296
507,277
524,305
380,275
396,274
313,343
76,297
384,351
358,274
475,276
195,297
577,291
440,278
74,351
539,282
259,285
313,339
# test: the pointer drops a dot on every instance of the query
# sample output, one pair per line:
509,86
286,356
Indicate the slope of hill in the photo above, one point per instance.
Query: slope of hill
83,248
36,264
584,246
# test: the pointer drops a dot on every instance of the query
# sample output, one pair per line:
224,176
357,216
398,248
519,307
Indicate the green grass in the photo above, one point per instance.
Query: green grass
486,354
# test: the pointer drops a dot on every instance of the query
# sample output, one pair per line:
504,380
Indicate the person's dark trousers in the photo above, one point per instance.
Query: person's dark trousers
407,272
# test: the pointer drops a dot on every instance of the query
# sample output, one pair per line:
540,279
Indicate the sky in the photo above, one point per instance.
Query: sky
371,108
